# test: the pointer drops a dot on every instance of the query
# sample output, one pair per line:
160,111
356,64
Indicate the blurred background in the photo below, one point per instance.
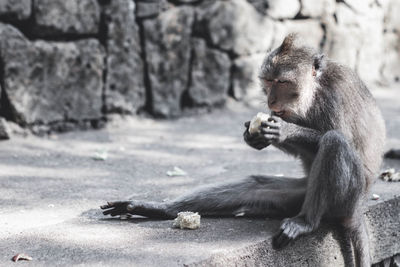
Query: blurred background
67,64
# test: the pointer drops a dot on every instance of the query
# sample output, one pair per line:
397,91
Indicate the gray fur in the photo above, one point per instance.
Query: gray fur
337,132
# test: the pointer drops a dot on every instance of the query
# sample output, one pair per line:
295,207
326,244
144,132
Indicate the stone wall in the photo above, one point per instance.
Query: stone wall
75,61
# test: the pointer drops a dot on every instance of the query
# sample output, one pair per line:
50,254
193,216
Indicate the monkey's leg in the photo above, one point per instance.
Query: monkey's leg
253,196
356,230
335,185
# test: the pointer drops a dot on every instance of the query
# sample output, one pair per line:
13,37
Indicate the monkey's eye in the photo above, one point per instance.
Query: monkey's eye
282,81
267,82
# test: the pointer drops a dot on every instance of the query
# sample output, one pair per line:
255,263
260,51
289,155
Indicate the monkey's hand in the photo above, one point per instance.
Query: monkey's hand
275,130
255,140
118,208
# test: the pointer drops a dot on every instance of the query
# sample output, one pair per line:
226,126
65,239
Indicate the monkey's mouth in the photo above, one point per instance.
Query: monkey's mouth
279,113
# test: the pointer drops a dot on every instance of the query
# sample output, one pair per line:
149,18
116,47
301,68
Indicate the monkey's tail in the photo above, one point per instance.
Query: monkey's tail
357,234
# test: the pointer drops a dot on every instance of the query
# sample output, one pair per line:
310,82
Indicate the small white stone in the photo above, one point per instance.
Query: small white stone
187,220
176,172
390,175
240,214
100,155
375,197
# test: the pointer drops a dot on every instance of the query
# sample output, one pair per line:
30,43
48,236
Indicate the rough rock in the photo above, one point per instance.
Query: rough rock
260,5
309,31
15,9
47,81
150,8
391,60
167,44
283,9
371,52
317,9
363,7
56,17
5,131
242,29
125,90
391,37
344,38
245,82
343,45
235,26
210,75
349,40
392,18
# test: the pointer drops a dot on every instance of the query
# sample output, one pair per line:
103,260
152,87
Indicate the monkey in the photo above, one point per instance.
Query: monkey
322,114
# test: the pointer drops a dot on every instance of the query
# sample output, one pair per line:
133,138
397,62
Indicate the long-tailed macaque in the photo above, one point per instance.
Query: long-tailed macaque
323,114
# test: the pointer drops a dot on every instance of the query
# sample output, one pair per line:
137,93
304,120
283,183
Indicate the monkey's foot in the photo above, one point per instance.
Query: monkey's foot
118,208
147,209
290,229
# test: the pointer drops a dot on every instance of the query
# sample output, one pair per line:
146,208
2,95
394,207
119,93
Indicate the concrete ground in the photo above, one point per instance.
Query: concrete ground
51,188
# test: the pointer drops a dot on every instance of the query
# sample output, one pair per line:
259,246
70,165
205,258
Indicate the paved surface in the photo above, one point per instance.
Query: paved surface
51,188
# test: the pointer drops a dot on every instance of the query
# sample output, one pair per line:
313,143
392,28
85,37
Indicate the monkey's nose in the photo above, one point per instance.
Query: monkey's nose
271,102
274,107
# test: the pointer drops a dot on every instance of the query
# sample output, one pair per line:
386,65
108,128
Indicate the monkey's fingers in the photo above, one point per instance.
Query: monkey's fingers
280,240
292,233
115,211
109,211
265,130
259,146
271,137
107,206
114,208
276,119
271,125
118,208
258,140
112,204
287,233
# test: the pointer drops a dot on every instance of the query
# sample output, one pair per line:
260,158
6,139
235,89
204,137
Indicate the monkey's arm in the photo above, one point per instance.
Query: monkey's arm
291,137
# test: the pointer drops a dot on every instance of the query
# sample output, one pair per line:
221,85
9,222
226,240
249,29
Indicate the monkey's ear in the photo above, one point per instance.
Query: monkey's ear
318,64
288,42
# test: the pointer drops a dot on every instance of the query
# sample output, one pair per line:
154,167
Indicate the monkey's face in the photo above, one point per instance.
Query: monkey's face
288,79
282,94
289,92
